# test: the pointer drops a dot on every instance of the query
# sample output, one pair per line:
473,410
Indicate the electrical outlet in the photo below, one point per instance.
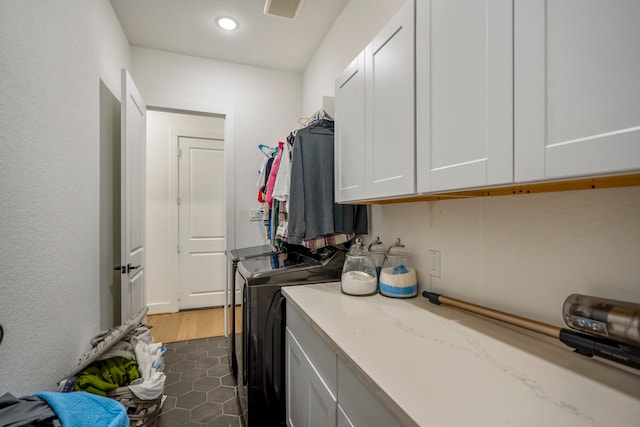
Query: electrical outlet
255,214
434,264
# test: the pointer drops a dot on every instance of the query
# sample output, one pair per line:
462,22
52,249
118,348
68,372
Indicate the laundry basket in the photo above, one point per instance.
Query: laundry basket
141,413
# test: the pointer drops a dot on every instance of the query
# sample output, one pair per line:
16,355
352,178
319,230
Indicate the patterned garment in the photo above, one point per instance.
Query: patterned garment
322,241
266,215
281,233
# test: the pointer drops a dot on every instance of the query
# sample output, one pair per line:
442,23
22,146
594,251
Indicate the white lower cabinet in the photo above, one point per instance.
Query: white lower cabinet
343,420
311,375
322,390
309,401
358,404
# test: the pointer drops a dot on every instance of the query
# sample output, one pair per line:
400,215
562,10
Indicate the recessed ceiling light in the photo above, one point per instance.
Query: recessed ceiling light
228,24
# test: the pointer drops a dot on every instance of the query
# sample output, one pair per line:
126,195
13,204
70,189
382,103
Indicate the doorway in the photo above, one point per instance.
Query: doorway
201,221
187,210
122,203
110,296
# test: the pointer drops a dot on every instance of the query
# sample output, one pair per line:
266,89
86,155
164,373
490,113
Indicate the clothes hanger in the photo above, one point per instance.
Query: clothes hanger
266,150
318,115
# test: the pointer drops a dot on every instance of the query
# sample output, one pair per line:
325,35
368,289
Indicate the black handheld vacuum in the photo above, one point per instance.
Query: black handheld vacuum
599,326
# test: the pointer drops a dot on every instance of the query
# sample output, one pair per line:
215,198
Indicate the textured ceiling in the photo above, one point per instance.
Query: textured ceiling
188,27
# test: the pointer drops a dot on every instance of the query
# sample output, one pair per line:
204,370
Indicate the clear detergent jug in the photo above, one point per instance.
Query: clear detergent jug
359,272
398,277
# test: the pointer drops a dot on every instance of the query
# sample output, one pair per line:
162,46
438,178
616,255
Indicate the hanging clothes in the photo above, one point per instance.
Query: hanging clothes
296,190
280,192
265,170
271,180
283,178
262,172
283,223
311,208
332,240
311,192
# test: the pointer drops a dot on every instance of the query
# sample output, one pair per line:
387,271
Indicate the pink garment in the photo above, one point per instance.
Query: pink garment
271,181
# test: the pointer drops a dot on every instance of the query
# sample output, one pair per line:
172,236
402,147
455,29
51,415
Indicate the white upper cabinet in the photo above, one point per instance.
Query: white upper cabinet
375,116
464,83
390,107
350,179
462,94
577,88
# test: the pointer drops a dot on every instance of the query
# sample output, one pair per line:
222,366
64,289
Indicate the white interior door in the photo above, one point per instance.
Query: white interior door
202,222
133,198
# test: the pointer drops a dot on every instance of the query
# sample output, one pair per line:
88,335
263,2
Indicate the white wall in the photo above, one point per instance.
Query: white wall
522,254
266,105
162,221
358,23
53,57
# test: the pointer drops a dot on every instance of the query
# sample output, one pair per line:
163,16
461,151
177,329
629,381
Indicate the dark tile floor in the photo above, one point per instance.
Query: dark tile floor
199,387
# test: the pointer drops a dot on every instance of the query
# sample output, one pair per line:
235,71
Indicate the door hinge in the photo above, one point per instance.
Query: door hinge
178,248
178,200
179,153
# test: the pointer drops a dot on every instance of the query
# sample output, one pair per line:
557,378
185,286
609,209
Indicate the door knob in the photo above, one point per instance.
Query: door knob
132,267
120,268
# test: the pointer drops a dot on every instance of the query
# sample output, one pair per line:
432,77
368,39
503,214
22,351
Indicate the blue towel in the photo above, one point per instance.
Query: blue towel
82,409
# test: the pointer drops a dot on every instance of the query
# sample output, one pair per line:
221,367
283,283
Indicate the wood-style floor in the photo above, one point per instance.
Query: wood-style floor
190,325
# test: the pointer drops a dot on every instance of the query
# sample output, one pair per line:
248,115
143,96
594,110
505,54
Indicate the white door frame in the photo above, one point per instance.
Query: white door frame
227,111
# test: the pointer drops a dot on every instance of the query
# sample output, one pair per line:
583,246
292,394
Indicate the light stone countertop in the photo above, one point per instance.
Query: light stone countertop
440,366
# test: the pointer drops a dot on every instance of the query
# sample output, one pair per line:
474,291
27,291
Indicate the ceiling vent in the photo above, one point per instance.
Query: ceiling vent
283,8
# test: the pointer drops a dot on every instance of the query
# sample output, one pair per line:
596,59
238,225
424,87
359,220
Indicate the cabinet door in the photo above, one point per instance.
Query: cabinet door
297,376
350,180
464,82
390,107
309,401
343,420
577,88
359,405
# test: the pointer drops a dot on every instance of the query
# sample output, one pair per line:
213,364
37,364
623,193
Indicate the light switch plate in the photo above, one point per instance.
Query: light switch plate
255,214
434,263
